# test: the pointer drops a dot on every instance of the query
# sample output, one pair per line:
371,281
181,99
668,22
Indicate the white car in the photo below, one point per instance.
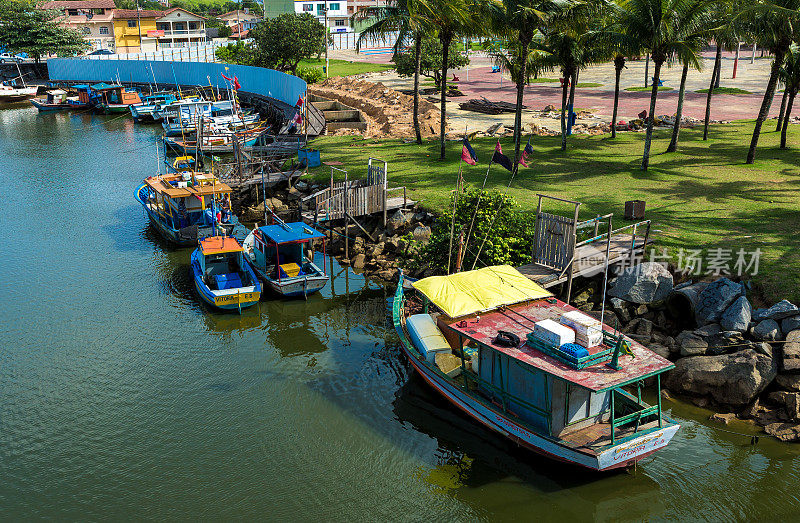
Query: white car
8,57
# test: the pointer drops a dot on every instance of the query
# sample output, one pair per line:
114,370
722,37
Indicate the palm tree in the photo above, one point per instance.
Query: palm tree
618,44
790,74
452,18
726,33
518,22
689,57
774,24
408,19
662,27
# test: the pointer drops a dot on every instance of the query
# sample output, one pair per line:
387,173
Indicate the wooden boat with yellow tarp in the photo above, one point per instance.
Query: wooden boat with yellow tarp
489,341
222,276
185,206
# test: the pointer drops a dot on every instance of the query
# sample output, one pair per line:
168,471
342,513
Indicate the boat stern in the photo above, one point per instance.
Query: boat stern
629,451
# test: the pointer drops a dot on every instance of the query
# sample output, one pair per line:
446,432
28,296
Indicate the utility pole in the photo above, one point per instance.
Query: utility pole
327,34
139,25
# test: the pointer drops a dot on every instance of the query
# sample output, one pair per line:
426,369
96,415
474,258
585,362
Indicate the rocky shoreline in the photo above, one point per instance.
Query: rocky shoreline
740,361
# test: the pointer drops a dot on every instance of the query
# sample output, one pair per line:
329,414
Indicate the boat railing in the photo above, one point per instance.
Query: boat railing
635,417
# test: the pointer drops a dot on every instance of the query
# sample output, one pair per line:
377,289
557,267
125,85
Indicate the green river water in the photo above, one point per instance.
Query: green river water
124,398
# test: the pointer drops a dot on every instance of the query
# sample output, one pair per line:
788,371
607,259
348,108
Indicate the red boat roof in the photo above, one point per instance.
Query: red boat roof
519,319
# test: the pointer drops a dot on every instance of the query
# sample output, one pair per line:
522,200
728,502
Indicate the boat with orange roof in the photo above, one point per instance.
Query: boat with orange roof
222,277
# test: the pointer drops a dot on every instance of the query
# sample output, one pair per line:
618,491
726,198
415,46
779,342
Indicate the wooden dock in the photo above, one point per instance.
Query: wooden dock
354,198
558,257
590,259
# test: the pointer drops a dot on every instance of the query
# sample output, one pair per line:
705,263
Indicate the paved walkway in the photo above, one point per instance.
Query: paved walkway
478,81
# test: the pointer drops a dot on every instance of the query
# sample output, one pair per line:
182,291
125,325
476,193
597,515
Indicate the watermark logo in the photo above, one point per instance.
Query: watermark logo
715,261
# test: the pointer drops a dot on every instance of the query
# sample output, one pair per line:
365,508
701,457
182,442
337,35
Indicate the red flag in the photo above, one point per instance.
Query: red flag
299,102
236,84
225,77
497,148
298,118
468,153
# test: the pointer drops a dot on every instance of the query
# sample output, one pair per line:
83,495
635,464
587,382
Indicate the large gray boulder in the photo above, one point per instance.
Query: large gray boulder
767,330
791,352
790,324
715,300
730,379
691,344
782,309
647,282
397,222
737,316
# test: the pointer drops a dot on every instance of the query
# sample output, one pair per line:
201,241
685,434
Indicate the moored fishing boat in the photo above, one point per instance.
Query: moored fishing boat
215,143
222,276
114,98
56,100
184,206
489,341
13,93
279,256
144,111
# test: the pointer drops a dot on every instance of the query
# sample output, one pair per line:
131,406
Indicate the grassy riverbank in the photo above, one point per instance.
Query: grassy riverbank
346,68
702,197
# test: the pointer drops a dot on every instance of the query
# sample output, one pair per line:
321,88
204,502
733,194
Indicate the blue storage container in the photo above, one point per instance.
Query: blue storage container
310,155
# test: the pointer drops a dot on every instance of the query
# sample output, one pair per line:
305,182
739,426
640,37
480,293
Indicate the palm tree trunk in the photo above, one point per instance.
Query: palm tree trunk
714,74
445,38
563,107
783,108
520,95
676,128
571,103
417,62
619,63
786,117
765,104
651,116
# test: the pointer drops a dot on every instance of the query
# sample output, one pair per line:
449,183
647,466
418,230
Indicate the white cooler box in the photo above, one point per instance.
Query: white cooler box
588,331
553,332
426,336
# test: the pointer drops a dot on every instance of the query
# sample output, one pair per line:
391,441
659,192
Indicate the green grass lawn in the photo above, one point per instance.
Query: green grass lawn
587,84
643,88
346,68
702,197
543,81
725,90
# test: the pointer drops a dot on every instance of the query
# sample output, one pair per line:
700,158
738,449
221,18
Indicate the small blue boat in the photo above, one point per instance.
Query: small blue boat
222,277
279,255
144,111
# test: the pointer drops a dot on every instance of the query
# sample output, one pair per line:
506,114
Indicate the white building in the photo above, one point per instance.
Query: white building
338,19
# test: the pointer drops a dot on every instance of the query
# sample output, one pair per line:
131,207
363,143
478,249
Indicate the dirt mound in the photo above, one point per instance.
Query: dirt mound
388,112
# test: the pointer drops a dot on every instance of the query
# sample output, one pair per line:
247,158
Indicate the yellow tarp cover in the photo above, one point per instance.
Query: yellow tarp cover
480,290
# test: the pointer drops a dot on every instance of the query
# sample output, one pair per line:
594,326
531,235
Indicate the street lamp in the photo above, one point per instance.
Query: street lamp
139,25
327,62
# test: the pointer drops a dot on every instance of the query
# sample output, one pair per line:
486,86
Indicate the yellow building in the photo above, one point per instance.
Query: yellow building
131,28
174,27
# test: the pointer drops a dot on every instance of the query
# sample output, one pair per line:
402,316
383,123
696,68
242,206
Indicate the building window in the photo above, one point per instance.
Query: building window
193,25
103,30
72,12
87,31
307,8
131,23
338,23
335,7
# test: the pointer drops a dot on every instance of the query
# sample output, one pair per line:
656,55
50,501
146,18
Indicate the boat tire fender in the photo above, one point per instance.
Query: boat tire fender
506,339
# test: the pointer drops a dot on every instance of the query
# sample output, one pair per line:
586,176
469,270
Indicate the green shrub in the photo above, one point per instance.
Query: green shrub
508,238
311,75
